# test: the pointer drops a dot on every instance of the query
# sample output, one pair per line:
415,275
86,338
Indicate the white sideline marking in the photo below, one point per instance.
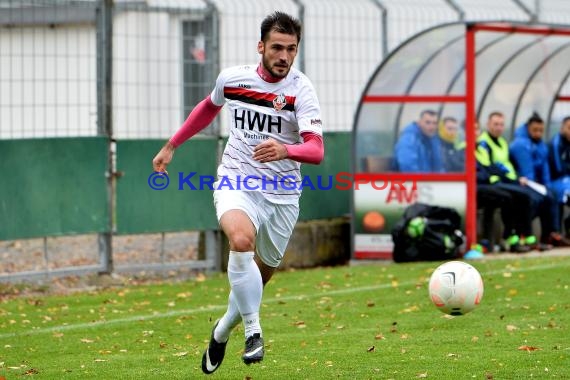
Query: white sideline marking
176,313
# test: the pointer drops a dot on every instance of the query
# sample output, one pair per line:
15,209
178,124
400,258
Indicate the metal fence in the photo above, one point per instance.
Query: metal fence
123,70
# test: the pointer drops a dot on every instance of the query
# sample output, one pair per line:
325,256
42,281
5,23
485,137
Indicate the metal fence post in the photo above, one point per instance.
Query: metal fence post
301,7
384,26
105,121
457,8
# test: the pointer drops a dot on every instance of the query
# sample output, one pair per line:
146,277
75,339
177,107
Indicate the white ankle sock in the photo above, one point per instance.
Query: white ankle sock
251,323
247,287
229,320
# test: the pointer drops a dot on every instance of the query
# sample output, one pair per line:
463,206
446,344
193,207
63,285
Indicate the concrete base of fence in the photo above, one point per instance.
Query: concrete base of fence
313,243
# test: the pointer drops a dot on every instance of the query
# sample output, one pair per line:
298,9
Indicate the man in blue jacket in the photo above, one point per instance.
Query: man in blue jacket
418,149
530,157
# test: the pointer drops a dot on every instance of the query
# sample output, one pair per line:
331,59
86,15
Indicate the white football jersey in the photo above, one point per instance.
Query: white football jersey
260,110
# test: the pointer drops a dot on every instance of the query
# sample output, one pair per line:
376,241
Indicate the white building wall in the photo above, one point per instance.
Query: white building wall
147,76
47,82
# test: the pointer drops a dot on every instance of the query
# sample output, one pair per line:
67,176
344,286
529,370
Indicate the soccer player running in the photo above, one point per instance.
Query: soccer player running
275,125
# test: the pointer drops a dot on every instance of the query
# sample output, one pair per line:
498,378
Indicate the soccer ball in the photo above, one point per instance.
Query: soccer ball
455,288
416,227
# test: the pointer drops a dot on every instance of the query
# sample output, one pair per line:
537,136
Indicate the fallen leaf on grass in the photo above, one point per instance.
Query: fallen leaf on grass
180,354
422,375
371,349
379,336
393,329
99,360
512,328
31,371
411,309
85,340
488,376
528,348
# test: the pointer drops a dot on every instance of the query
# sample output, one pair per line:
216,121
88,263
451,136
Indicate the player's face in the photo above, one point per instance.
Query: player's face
278,53
496,126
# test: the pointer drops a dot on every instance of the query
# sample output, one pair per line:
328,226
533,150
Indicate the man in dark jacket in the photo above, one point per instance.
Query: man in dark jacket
452,154
559,162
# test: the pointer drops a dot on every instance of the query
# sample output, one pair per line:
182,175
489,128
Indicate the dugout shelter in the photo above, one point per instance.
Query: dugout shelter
463,70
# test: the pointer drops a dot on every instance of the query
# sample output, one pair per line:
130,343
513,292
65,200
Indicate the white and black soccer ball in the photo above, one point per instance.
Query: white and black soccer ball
456,288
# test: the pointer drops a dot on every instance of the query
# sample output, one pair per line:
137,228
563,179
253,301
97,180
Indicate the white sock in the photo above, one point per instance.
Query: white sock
229,320
251,323
247,287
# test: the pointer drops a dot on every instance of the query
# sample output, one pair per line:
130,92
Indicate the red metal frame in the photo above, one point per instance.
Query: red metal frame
509,28
413,98
563,98
364,255
470,164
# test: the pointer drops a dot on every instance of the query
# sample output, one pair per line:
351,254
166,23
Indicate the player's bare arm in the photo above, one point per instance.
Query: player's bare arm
270,150
163,158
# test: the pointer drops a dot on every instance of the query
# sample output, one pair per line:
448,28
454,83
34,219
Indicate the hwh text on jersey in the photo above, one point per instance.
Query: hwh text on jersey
253,119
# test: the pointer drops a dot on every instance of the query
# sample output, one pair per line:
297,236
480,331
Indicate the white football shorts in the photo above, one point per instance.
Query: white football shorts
273,222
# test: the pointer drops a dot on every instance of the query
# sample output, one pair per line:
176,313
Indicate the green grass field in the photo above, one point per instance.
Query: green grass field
360,322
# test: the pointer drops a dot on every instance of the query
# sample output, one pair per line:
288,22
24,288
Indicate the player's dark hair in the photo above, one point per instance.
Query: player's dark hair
428,112
449,118
535,118
567,118
282,23
495,113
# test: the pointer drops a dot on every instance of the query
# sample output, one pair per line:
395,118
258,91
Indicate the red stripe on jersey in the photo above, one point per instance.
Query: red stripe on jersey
268,96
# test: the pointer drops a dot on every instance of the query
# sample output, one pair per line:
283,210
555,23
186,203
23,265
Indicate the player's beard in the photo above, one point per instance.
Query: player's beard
267,65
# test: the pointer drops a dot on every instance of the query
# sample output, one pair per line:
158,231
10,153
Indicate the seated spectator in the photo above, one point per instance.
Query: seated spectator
451,152
530,158
418,149
496,172
559,162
